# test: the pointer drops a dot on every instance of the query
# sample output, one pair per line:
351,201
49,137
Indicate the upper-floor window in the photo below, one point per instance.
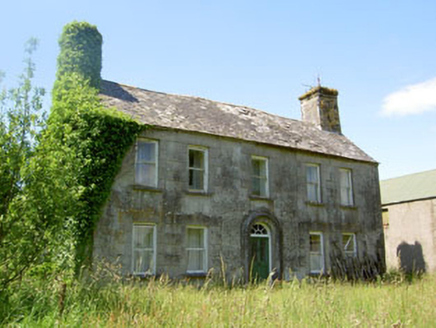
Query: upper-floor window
259,176
144,249
316,252
197,249
146,162
346,185
313,183
197,169
349,244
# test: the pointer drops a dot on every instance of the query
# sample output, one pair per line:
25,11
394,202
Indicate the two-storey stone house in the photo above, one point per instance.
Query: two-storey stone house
209,183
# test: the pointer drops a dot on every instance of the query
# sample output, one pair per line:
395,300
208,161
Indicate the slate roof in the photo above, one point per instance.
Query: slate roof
410,187
196,114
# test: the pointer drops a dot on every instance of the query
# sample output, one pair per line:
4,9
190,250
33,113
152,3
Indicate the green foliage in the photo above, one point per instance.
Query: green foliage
99,137
22,234
80,45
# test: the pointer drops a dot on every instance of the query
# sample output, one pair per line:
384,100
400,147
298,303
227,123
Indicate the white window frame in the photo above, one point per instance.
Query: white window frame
156,162
205,169
266,178
320,234
352,253
317,183
348,188
204,249
153,268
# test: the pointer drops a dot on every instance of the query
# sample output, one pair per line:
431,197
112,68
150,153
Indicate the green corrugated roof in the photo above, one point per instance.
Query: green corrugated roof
409,187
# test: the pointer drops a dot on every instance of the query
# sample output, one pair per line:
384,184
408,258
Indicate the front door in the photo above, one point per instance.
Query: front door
260,252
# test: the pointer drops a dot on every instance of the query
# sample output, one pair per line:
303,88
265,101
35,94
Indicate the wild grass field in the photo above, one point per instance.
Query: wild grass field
161,303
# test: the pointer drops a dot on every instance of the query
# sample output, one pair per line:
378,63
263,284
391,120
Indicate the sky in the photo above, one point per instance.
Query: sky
379,55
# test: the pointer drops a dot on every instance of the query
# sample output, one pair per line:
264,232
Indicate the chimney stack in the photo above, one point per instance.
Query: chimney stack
319,107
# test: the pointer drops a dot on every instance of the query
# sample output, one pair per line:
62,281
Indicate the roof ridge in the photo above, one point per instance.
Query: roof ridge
409,175
207,99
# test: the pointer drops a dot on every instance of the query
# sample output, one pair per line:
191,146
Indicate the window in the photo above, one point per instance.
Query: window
259,176
196,249
313,183
144,249
146,163
346,187
197,169
349,244
316,252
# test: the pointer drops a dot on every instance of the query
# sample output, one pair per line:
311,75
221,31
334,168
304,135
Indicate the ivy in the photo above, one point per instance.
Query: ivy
98,136
80,45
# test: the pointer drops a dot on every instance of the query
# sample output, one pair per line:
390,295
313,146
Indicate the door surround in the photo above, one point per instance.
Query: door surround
266,219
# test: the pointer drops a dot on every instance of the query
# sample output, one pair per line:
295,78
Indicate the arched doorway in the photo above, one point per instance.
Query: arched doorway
260,251
261,245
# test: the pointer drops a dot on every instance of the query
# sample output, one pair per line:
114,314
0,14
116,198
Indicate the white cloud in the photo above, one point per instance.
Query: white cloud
413,99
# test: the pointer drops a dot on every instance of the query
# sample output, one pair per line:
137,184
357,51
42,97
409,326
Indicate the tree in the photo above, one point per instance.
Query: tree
33,179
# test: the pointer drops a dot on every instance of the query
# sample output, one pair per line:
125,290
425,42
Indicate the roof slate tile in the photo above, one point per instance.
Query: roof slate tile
206,116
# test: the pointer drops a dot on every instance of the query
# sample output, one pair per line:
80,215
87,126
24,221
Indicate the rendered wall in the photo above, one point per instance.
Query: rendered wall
410,236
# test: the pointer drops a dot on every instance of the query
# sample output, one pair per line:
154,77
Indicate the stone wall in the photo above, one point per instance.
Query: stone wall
227,209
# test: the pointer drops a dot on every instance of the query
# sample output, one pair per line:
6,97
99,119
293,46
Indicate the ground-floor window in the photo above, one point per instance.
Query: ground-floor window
349,244
316,252
144,249
196,248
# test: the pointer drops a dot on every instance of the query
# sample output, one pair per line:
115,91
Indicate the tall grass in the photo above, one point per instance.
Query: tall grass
96,302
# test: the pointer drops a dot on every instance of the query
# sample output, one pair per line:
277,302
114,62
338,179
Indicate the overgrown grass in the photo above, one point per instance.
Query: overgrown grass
100,302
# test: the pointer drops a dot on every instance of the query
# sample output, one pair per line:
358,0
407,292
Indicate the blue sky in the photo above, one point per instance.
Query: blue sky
380,55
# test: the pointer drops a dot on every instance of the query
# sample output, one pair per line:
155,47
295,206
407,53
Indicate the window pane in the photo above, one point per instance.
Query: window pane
259,178
256,186
142,261
196,158
346,187
146,174
195,238
316,254
195,260
344,178
256,165
348,241
312,174
196,179
315,262
312,179
315,243
146,152
146,170
312,192
143,237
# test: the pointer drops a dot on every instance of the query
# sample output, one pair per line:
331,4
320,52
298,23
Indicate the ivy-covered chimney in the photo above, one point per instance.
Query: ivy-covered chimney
319,106
80,54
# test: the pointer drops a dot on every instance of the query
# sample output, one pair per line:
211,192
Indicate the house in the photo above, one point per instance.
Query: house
409,218
209,184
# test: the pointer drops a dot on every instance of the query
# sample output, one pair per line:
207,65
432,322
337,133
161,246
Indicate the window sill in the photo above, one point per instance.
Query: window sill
316,204
349,207
198,193
196,274
146,188
143,276
315,274
255,197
